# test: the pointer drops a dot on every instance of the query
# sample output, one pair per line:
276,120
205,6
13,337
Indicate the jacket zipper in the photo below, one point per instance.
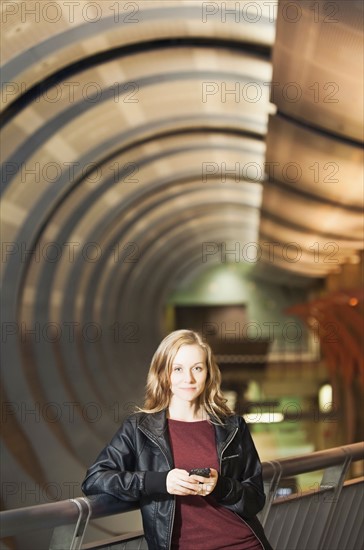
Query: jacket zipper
174,499
226,445
231,456
171,523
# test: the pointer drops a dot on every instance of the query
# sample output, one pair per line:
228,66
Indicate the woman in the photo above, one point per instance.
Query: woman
185,424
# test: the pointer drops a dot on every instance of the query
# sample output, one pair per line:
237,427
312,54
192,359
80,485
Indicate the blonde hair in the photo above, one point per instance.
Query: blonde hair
158,394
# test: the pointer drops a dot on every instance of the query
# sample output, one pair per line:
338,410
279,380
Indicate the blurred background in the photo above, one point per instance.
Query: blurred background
178,164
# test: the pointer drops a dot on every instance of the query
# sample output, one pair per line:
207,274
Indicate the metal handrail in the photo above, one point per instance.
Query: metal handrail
315,461
55,514
65,512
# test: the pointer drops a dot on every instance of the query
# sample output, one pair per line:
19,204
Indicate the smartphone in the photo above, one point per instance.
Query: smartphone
204,472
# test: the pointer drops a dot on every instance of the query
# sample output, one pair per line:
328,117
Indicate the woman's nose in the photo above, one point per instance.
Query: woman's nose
189,376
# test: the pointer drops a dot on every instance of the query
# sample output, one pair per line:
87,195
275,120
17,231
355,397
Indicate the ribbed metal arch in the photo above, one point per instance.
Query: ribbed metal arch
74,34
33,93
144,193
41,135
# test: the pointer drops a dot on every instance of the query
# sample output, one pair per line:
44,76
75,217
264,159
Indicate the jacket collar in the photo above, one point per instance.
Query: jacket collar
155,423
154,426
224,433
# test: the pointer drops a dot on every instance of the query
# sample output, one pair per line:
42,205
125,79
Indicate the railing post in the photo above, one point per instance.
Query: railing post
69,537
270,490
332,480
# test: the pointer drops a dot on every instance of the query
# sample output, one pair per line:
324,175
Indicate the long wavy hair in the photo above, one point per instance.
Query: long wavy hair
158,392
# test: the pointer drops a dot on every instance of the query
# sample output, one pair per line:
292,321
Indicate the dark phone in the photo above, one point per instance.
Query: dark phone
204,472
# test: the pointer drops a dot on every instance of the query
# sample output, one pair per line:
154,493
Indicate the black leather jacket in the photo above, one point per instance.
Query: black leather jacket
134,467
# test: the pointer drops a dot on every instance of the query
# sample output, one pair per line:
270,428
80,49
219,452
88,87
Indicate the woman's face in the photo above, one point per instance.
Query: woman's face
189,373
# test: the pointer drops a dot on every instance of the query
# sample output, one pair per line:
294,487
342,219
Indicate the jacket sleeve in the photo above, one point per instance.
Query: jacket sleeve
243,494
114,472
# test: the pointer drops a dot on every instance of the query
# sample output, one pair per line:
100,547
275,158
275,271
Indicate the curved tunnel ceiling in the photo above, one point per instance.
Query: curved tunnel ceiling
130,139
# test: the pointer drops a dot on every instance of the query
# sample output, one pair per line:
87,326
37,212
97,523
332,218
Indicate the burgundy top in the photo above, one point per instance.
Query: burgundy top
200,523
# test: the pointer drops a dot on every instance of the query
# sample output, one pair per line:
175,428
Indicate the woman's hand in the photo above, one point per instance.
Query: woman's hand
206,484
179,482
